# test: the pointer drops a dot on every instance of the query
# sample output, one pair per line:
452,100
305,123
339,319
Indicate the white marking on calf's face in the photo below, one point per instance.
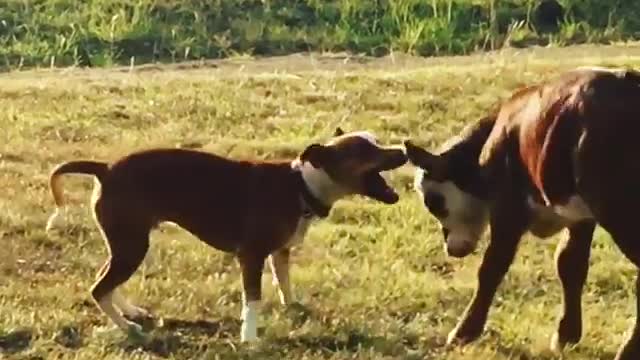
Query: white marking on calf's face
466,216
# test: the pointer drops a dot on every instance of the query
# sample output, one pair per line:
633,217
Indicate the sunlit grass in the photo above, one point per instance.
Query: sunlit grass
372,278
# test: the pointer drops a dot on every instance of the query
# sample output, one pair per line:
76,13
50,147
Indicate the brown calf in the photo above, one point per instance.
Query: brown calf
252,209
561,154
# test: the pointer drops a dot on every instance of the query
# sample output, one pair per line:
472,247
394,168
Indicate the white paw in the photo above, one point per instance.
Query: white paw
55,220
249,330
135,332
248,333
134,328
137,312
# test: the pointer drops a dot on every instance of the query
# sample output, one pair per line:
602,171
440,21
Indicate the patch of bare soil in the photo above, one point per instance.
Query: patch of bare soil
344,62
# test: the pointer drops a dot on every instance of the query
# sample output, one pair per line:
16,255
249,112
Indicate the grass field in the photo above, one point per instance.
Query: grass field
107,32
372,279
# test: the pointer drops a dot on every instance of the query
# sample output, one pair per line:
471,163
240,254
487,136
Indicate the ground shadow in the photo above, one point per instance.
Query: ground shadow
15,341
69,336
169,336
351,341
524,352
225,327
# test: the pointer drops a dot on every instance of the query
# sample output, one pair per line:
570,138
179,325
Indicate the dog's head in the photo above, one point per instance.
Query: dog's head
450,187
351,163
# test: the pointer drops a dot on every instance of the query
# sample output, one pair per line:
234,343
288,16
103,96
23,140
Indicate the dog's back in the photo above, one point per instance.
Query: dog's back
214,198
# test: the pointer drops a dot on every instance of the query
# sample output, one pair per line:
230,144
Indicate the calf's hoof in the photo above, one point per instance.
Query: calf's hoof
562,338
464,334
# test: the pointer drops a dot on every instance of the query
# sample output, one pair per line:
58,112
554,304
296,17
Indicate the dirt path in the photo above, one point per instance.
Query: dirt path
342,62
346,62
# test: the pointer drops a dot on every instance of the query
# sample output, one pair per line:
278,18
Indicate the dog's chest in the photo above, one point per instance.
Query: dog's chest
297,237
548,220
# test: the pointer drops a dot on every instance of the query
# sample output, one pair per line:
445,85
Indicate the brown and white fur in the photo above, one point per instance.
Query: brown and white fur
558,155
254,209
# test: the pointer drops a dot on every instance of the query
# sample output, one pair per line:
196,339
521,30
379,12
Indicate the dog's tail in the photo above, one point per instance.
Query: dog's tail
95,168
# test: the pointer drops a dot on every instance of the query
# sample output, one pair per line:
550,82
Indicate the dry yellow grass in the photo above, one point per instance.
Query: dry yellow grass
372,279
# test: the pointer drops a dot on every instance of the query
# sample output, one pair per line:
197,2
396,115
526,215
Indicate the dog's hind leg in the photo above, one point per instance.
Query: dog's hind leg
121,303
124,260
279,263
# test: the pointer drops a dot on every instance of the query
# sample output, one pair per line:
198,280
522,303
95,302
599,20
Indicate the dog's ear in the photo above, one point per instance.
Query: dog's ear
338,132
316,154
422,158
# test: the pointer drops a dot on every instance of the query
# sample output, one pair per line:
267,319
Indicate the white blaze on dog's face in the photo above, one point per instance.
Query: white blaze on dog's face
350,163
463,216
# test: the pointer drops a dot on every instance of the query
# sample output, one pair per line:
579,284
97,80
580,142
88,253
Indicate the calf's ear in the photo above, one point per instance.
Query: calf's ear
423,158
316,154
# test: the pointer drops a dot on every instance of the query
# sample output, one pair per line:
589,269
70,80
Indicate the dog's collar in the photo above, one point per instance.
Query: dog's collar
312,206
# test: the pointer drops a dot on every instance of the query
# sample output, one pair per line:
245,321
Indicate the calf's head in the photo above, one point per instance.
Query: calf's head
351,163
451,187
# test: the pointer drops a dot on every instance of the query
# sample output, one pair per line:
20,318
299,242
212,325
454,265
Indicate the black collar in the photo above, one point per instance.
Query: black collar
312,206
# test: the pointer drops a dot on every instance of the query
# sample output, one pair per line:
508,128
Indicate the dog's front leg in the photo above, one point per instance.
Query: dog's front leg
252,266
279,262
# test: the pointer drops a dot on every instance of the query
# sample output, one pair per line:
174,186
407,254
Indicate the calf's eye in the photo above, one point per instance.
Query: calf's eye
436,204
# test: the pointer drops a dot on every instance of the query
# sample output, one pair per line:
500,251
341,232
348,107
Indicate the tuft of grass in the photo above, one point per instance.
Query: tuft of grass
372,280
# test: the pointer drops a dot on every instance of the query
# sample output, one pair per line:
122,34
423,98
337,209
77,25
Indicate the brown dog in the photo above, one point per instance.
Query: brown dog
561,154
252,209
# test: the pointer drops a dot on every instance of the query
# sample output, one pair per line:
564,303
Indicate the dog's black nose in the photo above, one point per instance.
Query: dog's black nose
436,204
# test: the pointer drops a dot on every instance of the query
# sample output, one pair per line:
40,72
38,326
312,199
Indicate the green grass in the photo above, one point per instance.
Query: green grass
373,278
107,32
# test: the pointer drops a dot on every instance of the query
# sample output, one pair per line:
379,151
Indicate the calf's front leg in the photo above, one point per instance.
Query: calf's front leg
505,237
630,350
572,266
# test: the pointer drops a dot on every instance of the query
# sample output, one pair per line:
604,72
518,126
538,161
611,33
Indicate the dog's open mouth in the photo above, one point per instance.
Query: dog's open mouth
377,188
375,185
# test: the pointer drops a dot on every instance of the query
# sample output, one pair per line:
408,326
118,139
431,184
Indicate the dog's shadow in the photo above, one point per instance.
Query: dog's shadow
15,341
349,342
223,328
172,335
